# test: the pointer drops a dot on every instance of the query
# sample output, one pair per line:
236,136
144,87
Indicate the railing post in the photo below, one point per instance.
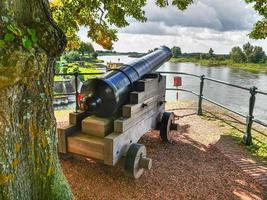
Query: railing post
76,91
247,139
199,112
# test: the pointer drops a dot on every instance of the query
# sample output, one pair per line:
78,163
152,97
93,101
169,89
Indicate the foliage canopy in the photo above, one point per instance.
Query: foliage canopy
260,28
176,52
101,17
249,54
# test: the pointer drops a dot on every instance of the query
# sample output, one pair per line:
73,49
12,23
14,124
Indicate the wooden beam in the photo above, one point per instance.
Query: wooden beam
146,84
62,134
123,124
97,126
133,110
85,145
116,144
76,118
151,89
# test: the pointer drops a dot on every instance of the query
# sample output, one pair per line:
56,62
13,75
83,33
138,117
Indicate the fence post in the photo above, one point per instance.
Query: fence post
202,78
76,91
247,139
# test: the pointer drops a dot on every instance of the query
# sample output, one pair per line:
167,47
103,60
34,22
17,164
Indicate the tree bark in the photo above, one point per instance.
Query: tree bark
29,164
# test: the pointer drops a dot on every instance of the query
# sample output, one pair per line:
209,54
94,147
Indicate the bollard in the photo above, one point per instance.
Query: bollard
199,112
247,139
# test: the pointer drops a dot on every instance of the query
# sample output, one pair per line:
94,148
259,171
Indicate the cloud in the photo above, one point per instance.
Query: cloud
217,24
221,43
220,15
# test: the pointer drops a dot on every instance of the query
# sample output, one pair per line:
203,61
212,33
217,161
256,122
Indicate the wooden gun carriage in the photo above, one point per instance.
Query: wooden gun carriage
108,139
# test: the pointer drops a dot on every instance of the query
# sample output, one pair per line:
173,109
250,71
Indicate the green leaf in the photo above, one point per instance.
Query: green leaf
9,37
2,43
32,33
14,29
4,19
34,39
26,42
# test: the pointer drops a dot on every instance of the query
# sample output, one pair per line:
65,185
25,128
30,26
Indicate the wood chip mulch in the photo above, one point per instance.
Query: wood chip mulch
184,169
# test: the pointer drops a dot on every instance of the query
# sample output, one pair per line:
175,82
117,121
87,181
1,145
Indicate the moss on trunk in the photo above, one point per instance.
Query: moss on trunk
29,164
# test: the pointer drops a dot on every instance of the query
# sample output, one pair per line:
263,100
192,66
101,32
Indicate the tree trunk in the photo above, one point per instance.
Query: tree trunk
29,164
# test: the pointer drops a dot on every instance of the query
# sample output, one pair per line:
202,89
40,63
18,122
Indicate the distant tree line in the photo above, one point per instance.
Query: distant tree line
247,54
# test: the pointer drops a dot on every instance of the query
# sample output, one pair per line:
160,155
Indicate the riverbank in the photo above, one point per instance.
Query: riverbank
257,68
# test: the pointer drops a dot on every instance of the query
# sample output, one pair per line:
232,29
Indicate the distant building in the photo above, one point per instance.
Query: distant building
111,65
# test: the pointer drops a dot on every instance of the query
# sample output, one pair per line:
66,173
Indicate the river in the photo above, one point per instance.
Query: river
233,98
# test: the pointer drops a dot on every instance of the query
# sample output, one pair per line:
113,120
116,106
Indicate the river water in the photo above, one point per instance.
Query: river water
233,98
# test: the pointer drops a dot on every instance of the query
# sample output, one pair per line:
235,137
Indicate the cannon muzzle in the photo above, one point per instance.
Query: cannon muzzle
105,95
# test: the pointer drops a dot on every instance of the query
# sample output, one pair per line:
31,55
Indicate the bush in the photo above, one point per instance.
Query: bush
72,56
94,55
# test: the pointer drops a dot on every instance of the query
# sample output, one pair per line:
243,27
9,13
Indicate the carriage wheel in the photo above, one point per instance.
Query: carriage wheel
165,126
136,160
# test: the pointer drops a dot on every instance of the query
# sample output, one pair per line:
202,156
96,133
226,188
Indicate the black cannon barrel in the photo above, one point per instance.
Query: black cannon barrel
103,96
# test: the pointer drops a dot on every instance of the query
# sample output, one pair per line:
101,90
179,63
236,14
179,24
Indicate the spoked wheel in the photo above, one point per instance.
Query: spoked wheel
136,160
165,126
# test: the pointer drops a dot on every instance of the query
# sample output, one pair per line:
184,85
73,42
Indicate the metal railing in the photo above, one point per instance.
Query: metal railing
252,91
76,93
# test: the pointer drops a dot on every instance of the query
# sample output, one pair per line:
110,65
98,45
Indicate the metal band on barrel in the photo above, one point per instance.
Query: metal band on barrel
131,83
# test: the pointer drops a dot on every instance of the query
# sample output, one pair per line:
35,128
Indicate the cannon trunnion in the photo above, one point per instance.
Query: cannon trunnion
110,138
104,96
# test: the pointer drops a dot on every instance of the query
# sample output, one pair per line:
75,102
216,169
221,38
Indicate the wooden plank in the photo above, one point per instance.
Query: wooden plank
131,110
62,134
85,145
116,144
97,126
123,124
144,85
153,89
76,118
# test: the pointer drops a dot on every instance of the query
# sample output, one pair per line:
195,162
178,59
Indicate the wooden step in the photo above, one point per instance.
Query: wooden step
134,110
76,118
147,89
123,124
97,126
85,145
146,84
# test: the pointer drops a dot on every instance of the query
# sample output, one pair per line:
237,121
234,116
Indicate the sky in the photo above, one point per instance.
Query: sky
217,24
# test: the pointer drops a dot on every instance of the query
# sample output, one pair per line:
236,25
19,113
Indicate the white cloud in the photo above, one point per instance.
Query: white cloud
191,40
222,15
219,24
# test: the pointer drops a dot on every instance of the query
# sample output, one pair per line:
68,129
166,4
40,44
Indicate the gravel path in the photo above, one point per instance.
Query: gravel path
192,167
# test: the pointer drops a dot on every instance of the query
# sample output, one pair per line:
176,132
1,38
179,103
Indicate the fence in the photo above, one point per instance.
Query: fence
252,91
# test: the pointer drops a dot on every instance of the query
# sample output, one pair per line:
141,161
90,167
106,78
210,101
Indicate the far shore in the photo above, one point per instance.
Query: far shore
253,67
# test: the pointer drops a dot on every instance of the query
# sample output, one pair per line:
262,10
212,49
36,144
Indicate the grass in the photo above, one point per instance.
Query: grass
59,78
235,131
258,68
88,65
258,147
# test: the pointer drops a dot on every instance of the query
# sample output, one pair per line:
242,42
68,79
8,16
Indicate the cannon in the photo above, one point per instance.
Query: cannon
104,96
118,109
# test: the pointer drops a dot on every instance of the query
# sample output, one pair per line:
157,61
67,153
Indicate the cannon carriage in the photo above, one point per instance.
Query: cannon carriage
118,109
